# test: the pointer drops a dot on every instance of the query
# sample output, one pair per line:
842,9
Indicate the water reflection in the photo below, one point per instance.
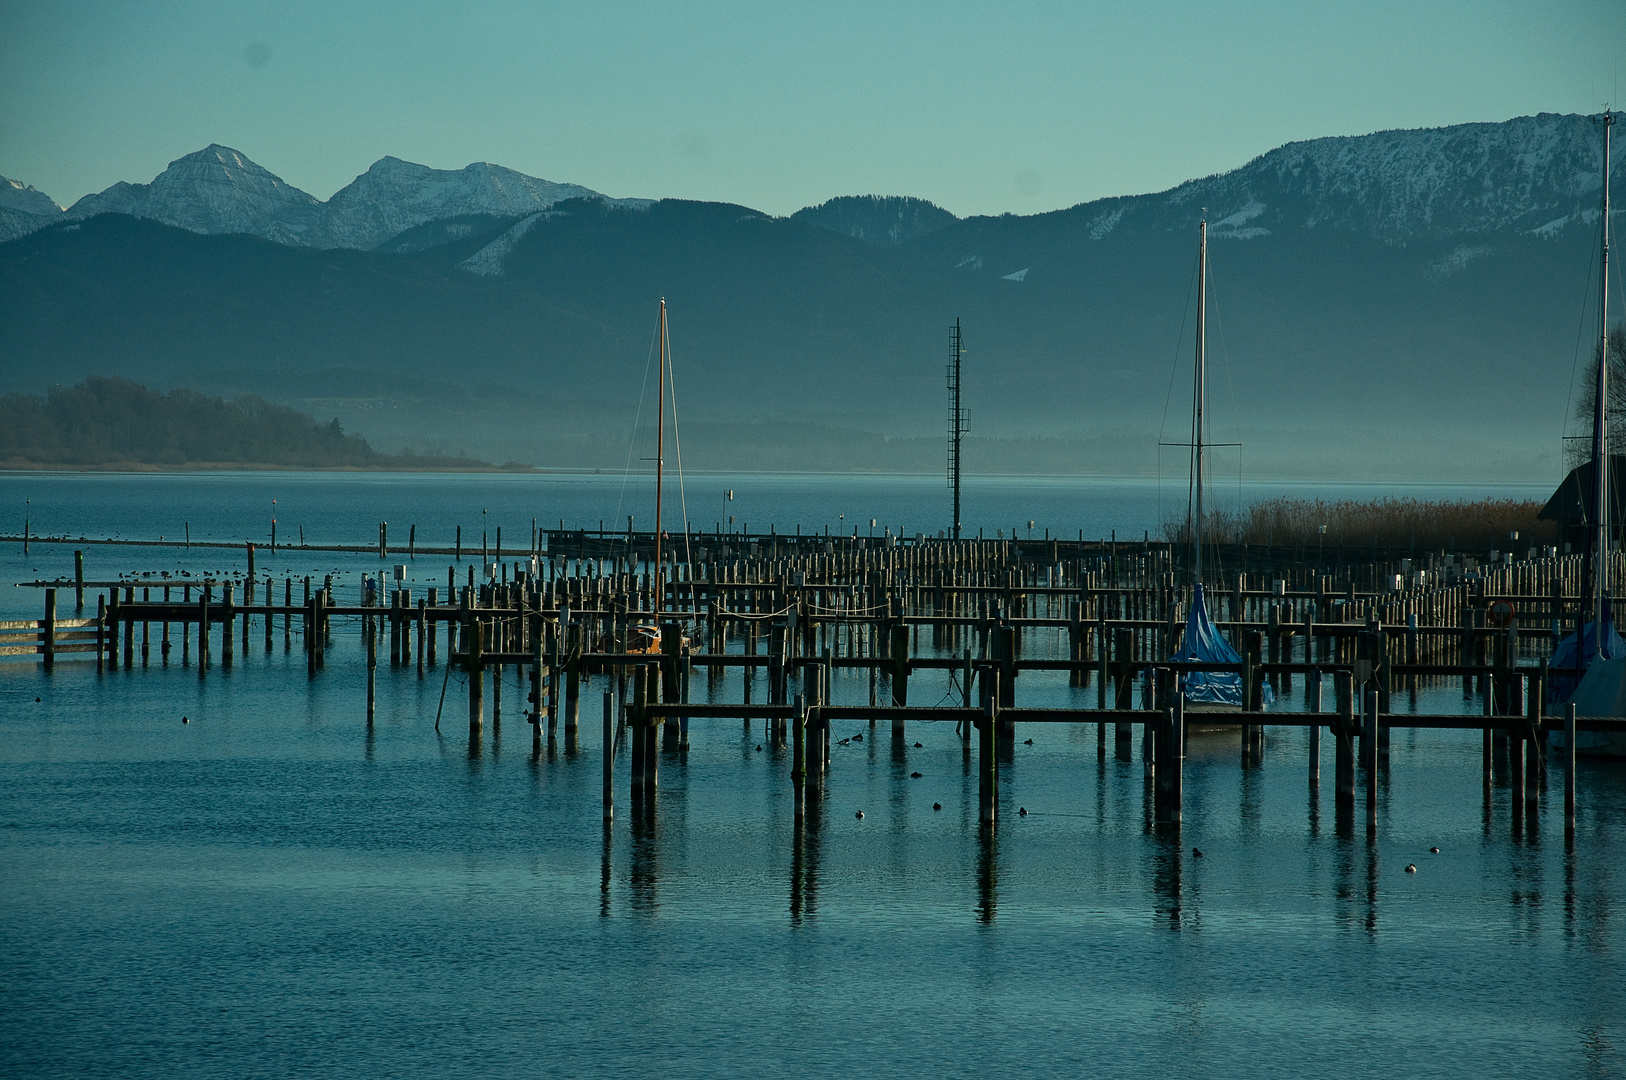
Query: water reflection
806,841
644,875
987,873
1168,859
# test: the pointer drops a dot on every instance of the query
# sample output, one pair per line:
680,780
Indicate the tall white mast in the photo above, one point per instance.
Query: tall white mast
1200,399
1600,424
660,459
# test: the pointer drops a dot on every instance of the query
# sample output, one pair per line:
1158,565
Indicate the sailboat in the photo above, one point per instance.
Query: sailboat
1601,653
1202,642
646,637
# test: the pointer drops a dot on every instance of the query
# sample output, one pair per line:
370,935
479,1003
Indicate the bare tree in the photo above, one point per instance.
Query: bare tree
1578,450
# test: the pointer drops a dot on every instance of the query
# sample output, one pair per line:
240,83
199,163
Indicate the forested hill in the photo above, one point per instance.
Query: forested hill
110,421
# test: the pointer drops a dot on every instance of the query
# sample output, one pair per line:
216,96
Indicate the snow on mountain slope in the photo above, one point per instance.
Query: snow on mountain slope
215,190
1392,185
396,195
488,261
24,209
219,190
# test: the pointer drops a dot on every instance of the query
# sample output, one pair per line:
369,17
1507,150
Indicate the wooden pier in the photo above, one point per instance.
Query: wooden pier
790,610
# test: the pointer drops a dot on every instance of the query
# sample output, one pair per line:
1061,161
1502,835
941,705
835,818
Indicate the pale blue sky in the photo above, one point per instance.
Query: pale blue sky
983,108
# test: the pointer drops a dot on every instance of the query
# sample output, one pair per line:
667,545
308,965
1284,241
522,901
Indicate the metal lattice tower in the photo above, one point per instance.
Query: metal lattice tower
959,421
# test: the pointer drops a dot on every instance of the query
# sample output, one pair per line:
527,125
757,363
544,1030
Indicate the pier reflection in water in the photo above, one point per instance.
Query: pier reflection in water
377,860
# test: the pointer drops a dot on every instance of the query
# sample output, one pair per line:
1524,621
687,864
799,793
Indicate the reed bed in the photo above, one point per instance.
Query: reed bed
1475,525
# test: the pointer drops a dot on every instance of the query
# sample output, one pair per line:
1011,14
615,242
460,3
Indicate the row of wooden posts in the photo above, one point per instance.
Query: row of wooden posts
993,610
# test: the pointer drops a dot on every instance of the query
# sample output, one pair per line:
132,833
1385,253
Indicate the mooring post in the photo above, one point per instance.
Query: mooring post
965,701
1123,698
538,692
798,758
1369,751
650,726
48,631
372,665
1569,771
1312,690
900,674
310,629
1344,735
1516,744
573,682
476,670
987,742
635,733
79,581
203,628
609,755
430,634
101,633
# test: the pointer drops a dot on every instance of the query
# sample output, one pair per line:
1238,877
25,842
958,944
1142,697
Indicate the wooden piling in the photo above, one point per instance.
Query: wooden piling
1569,771
609,756
48,632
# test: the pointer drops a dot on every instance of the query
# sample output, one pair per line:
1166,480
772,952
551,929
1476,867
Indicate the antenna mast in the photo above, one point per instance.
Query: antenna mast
959,420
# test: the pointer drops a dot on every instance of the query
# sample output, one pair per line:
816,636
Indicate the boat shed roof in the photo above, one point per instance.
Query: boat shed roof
1568,504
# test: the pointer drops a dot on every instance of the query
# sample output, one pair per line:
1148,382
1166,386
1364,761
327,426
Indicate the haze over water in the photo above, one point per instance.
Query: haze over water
273,888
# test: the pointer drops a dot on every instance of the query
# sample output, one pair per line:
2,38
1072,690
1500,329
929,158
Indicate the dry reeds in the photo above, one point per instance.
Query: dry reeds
1389,523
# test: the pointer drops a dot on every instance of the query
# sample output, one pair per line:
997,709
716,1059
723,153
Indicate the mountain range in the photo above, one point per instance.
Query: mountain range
1403,303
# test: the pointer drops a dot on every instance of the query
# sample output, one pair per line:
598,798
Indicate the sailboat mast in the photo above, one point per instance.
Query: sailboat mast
660,456
1600,423
1199,397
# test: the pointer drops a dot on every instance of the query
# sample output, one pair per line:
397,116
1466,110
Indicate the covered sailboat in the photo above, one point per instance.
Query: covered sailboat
1202,642
1599,655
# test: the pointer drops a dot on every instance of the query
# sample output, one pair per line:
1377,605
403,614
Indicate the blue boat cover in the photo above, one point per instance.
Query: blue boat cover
1561,684
1202,644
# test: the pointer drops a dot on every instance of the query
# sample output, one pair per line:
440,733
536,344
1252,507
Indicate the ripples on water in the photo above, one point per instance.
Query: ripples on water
273,888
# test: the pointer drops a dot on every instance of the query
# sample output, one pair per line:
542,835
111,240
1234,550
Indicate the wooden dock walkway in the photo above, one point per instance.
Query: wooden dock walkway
789,610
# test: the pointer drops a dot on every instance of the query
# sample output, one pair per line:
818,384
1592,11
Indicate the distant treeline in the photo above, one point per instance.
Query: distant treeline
1392,522
110,421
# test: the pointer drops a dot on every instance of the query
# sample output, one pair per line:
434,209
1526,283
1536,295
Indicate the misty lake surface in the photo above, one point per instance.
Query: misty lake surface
274,889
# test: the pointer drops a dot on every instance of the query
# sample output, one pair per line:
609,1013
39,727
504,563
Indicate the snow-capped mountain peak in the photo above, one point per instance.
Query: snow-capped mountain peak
394,195
24,209
214,190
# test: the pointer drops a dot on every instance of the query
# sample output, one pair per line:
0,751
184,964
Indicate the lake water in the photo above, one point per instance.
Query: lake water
274,888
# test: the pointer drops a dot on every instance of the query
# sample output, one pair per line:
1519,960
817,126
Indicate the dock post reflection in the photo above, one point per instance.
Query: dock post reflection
987,870
806,836
1167,864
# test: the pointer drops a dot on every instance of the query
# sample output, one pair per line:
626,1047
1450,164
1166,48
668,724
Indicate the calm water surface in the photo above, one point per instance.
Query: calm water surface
274,889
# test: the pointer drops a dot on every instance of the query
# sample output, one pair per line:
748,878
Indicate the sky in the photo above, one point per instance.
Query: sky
982,108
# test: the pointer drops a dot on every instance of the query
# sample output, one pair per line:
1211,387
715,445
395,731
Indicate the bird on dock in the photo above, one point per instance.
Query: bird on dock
1411,868
1196,853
